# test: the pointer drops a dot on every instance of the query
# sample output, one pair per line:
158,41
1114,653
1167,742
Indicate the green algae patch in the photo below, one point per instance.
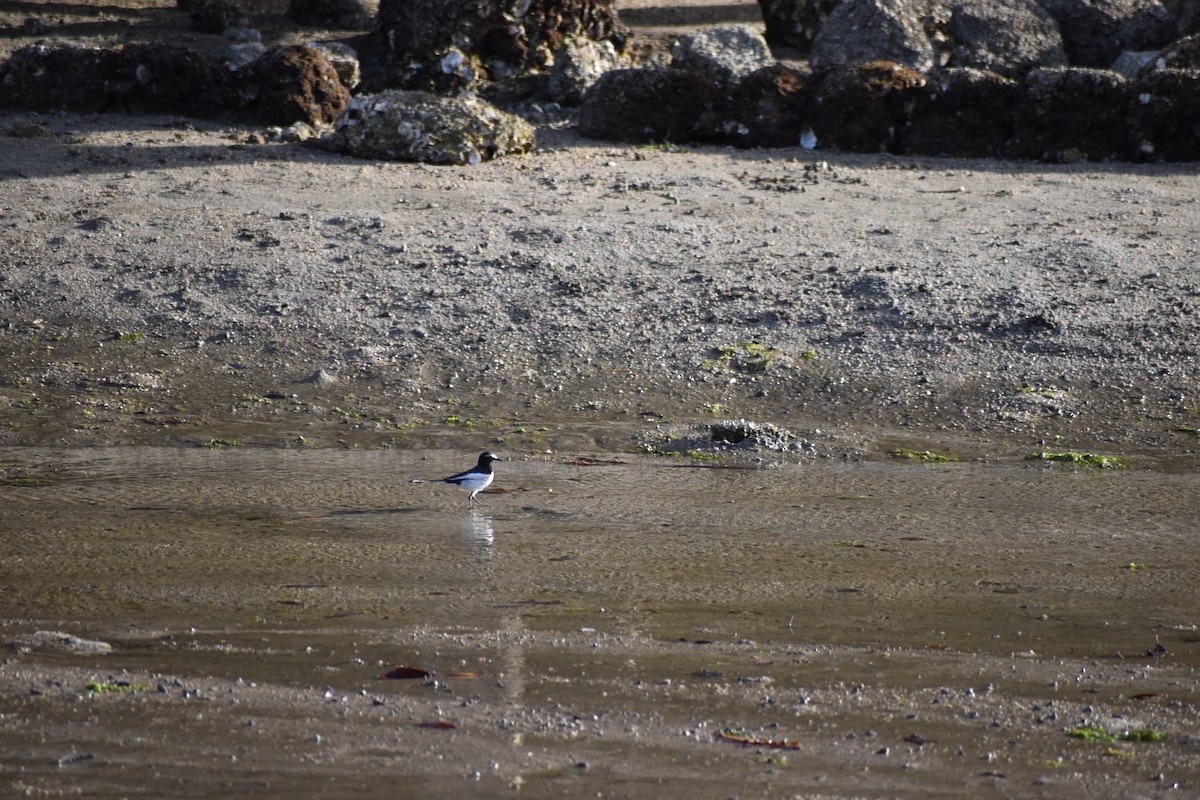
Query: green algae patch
1094,733
116,687
663,147
24,480
1091,733
22,475
925,457
1081,460
716,409
747,357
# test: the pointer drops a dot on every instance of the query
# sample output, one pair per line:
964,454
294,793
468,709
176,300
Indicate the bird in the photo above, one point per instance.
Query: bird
474,480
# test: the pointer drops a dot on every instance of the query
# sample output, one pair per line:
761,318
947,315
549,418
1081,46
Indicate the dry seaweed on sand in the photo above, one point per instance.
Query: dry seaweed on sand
739,736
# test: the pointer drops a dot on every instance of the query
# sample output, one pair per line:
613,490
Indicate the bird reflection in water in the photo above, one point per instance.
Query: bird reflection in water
477,532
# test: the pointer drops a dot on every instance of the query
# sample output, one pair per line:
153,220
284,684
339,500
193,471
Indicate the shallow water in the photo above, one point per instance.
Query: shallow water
591,586
993,558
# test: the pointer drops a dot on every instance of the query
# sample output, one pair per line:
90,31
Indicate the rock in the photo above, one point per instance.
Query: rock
237,56
963,112
281,86
861,31
336,13
322,378
795,23
523,33
166,79
296,132
1130,62
241,34
414,30
450,72
214,16
28,130
1186,14
745,434
344,60
1073,114
863,108
578,65
1166,115
723,55
293,84
44,78
1095,33
138,78
135,380
60,642
34,26
1008,37
418,126
650,105
771,105
1182,54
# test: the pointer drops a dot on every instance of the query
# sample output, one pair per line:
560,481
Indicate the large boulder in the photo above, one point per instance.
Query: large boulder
722,55
337,13
1186,14
214,16
963,112
138,78
1182,54
419,126
864,108
449,72
795,23
1074,114
650,105
160,78
44,78
522,33
861,31
1166,115
1131,62
344,60
293,83
1008,37
1095,33
769,108
578,65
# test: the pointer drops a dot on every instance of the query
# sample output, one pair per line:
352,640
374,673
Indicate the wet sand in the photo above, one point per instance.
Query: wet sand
904,629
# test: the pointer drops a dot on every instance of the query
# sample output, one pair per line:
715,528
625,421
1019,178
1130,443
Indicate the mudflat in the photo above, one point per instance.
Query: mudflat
280,621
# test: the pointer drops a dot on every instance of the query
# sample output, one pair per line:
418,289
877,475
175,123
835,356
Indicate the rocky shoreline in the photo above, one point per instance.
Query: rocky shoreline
896,76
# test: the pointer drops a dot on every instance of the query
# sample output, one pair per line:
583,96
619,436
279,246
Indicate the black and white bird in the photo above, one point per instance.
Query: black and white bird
474,480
